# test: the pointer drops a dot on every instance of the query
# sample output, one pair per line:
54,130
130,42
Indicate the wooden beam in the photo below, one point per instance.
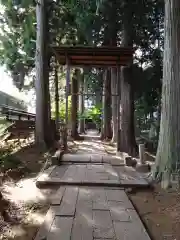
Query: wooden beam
94,56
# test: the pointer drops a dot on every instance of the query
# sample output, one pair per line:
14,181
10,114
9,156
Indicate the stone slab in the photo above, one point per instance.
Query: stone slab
83,222
45,227
96,158
122,204
130,231
50,182
116,195
119,212
56,200
103,226
111,172
70,174
59,171
130,176
99,200
61,228
82,229
68,203
113,160
119,197
46,173
76,157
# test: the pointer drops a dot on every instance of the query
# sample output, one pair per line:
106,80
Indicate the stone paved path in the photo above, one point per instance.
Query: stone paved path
87,213
91,212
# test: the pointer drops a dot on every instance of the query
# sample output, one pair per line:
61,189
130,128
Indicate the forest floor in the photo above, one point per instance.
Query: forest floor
159,209
27,205
160,212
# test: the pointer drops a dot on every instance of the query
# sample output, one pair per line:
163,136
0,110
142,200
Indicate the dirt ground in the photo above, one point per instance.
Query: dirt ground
26,205
160,212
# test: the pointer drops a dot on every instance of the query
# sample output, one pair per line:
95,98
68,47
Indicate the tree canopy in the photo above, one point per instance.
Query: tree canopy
92,23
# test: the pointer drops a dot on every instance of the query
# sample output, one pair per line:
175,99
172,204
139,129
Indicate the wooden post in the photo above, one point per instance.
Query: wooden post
74,104
141,153
56,97
81,105
118,109
67,94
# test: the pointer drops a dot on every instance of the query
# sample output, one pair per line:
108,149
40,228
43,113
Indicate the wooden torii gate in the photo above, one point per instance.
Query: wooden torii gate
101,57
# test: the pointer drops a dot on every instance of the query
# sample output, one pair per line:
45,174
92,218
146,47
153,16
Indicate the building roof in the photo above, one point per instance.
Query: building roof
93,56
11,101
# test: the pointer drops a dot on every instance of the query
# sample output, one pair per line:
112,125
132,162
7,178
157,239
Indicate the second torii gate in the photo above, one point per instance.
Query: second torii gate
81,56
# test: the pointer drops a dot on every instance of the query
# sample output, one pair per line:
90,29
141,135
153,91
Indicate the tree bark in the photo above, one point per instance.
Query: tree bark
113,29
106,132
43,131
49,125
40,74
127,135
158,118
74,104
168,153
81,105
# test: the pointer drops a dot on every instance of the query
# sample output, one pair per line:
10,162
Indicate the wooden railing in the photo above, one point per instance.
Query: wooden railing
16,114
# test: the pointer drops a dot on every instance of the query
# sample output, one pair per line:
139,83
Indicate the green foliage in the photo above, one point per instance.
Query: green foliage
95,114
17,38
62,111
148,83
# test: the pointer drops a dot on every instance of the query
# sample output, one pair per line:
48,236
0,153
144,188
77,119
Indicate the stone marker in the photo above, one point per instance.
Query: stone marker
142,153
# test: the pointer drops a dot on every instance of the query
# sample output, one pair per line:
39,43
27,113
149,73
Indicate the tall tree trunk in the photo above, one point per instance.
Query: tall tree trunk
113,29
158,118
74,104
127,138
43,124
106,132
49,126
168,153
39,131
81,105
